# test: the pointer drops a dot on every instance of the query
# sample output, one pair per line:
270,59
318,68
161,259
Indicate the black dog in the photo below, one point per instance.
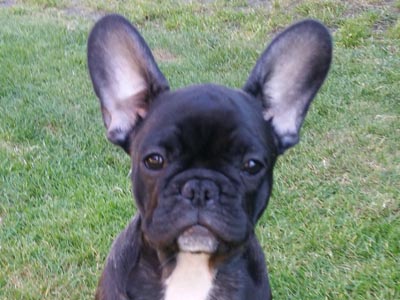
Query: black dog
202,162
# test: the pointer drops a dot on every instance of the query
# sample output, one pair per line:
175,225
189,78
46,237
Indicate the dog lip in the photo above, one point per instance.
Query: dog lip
197,238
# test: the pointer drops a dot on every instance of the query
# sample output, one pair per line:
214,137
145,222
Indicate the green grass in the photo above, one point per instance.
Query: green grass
332,228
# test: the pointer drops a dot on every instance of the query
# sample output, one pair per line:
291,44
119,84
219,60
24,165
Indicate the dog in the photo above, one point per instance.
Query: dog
202,162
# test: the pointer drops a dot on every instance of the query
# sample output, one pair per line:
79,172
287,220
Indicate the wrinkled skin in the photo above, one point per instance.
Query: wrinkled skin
202,157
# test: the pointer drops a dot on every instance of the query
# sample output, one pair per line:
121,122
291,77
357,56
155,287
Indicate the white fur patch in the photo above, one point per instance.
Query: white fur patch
191,279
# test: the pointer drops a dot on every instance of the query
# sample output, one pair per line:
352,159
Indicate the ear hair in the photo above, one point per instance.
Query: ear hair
288,75
124,74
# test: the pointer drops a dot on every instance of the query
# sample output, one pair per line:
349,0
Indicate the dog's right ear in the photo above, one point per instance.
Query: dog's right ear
124,74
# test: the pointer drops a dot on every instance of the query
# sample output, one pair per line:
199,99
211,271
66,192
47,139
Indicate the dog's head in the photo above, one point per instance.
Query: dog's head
202,156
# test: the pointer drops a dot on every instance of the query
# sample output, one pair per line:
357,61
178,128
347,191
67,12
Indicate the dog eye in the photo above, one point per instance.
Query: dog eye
154,161
252,166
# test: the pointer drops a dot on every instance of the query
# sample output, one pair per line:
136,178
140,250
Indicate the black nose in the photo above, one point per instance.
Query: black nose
200,191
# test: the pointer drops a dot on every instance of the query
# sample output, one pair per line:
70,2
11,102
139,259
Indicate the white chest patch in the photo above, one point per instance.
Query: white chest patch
191,279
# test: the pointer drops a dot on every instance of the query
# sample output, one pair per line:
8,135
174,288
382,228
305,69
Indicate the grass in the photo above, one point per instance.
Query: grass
332,228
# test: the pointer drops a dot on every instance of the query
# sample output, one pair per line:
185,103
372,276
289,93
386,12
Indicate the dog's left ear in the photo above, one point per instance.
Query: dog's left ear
288,75
124,74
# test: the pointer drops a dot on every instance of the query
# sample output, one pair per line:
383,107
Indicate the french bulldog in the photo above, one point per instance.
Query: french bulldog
202,162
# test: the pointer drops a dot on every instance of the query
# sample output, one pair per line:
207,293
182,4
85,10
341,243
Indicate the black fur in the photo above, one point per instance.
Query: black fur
212,151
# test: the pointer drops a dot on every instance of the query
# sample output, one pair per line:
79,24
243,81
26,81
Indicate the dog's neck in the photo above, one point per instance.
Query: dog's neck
192,278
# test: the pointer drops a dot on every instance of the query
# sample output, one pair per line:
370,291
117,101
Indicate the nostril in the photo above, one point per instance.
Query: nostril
189,190
208,195
199,192
210,190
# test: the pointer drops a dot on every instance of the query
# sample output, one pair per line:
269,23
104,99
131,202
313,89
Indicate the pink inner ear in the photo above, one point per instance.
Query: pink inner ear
124,97
290,72
120,116
122,70
122,119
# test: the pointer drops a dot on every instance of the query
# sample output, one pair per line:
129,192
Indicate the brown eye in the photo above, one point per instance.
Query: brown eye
154,162
252,166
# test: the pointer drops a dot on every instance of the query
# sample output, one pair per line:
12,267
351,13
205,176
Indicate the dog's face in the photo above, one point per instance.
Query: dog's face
202,156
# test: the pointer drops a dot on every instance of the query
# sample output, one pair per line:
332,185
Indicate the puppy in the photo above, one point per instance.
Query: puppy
202,162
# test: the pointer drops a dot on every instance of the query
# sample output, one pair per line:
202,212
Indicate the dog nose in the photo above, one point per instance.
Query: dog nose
200,191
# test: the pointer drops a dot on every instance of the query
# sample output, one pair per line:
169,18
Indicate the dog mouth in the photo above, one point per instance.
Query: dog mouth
197,239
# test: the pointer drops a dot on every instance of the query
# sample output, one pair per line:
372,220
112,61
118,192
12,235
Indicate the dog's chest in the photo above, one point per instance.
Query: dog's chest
191,279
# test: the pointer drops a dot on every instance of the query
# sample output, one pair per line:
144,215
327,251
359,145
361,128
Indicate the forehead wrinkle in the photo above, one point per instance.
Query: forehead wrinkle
206,118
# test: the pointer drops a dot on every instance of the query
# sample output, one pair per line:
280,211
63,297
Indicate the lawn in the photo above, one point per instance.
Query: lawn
332,227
